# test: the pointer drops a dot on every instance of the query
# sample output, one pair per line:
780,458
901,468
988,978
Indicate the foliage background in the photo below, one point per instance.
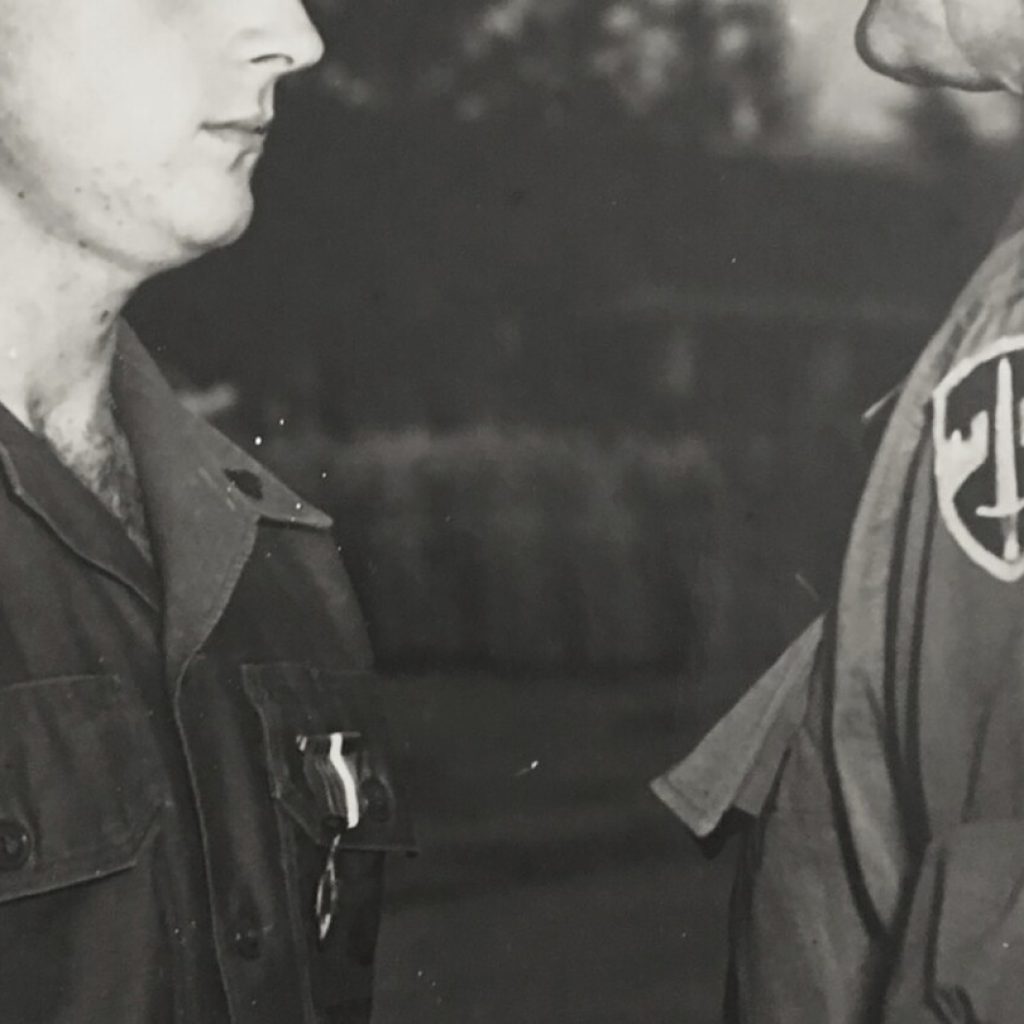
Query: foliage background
566,310
620,226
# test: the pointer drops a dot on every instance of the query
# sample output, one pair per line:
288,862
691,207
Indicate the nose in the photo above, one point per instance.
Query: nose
286,38
909,40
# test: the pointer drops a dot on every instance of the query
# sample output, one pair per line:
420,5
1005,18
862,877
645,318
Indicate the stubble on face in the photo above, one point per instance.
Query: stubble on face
102,145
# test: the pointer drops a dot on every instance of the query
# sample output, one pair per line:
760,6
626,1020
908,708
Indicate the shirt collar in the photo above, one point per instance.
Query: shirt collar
174,447
204,500
40,482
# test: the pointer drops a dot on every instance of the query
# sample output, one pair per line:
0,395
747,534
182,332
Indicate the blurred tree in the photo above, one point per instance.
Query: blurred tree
708,67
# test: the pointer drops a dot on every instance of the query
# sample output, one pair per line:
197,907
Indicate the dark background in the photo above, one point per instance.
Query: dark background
557,313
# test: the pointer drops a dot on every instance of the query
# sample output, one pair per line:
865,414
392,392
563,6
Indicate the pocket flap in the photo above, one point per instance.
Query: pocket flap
79,790
737,762
301,708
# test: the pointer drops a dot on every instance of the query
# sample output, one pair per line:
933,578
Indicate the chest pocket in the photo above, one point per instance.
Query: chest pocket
341,805
79,791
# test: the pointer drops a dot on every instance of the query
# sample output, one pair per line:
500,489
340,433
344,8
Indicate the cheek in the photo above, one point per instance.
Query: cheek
137,107
115,78
95,121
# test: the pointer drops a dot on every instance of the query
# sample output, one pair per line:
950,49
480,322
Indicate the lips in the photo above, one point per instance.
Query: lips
246,133
252,125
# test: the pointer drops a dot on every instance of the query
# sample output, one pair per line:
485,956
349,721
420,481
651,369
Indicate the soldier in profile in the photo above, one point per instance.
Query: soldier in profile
877,770
195,790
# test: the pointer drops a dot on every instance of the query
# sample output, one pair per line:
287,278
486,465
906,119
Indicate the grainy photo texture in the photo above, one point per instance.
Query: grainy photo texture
510,512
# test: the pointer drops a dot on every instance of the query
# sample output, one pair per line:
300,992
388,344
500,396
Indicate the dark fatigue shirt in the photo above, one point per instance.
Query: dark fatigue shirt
160,838
883,756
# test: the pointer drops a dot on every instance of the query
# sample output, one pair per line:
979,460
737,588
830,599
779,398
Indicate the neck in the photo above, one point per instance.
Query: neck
58,306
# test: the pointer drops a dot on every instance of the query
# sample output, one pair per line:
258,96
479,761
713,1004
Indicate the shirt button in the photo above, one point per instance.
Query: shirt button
15,845
376,800
248,943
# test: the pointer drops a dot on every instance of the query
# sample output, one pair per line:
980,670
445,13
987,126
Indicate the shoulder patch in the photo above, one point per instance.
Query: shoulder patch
978,433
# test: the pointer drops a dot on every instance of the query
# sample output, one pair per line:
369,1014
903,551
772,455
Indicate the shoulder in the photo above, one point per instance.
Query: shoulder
735,765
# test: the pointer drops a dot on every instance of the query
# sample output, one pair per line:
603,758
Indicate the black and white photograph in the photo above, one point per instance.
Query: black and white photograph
511,512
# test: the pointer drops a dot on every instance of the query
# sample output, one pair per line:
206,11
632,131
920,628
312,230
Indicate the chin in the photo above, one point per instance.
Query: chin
224,216
218,222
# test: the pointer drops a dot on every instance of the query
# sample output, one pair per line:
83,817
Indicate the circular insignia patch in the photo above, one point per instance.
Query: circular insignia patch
978,430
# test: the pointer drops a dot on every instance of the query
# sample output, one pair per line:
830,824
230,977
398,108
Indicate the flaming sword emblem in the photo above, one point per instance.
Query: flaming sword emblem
1008,500
983,432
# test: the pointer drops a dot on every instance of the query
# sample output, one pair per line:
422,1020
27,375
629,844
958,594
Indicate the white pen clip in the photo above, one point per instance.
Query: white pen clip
331,771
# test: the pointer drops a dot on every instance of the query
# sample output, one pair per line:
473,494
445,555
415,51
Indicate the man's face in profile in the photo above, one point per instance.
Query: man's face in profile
132,127
971,44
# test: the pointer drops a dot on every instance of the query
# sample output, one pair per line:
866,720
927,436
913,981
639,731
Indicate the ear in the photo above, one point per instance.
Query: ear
911,41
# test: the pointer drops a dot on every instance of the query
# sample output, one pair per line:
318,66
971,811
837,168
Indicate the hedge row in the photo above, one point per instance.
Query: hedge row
502,546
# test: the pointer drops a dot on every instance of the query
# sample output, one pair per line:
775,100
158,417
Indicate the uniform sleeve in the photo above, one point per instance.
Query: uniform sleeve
736,764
